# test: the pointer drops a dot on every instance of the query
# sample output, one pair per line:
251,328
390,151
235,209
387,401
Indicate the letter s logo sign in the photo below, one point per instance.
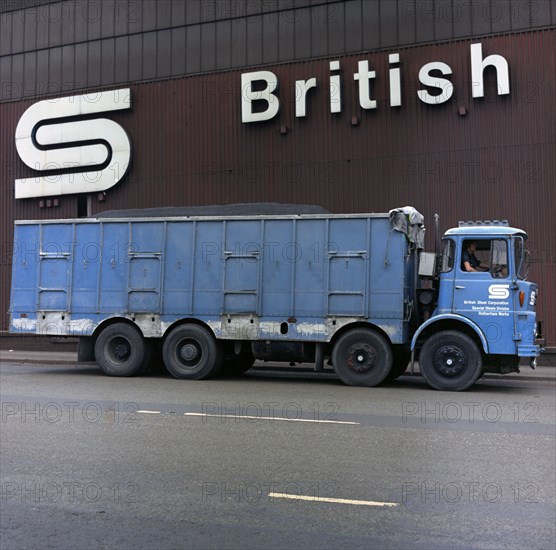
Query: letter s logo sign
498,292
49,137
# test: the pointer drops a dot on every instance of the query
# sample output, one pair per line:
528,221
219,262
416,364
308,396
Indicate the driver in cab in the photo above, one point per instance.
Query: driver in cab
469,261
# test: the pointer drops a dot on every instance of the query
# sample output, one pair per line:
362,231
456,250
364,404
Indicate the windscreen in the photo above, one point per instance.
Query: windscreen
521,257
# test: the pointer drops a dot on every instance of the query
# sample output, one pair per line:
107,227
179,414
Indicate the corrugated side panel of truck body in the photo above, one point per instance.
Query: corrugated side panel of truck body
243,277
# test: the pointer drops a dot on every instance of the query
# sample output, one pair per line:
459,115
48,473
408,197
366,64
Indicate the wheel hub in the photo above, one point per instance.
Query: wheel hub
361,358
449,360
120,348
189,352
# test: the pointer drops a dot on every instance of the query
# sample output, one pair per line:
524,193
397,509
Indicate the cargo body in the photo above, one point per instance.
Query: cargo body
242,277
219,292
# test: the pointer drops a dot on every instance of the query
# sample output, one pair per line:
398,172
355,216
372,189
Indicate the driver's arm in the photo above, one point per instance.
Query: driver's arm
469,267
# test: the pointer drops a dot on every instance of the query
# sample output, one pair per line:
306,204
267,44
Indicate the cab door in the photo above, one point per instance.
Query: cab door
484,297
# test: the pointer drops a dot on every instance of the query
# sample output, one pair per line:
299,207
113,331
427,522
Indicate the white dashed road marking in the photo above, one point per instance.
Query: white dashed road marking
311,420
334,500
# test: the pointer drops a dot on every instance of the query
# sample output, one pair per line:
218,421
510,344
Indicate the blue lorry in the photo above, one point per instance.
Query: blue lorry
215,293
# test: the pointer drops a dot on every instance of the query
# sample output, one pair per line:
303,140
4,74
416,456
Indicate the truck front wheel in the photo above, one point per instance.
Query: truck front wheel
191,352
450,360
120,350
239,364
362,357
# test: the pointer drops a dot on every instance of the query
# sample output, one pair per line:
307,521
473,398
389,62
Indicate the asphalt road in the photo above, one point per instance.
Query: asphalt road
267,461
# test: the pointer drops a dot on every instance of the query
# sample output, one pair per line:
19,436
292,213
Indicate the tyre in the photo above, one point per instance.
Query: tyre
237,365
120,350
450,360
191,352
401,357
362,357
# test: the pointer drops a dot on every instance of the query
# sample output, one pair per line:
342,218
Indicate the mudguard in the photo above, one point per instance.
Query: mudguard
451,317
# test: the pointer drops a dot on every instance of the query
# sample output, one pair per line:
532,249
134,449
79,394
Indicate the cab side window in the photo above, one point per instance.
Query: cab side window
485,255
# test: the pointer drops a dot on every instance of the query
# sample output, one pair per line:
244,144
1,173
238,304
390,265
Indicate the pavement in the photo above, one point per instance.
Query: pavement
545,371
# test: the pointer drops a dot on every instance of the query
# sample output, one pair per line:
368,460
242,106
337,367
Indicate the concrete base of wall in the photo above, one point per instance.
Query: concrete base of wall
31,342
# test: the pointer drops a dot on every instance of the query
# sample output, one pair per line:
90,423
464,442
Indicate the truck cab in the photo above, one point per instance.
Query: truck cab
485,310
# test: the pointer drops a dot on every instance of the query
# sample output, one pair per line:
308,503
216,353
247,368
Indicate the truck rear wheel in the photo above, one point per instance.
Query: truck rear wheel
450,360
120,350
191,352
362,357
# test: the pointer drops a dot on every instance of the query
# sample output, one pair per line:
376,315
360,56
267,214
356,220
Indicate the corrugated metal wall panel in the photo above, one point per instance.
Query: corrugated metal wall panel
190,146
213,35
